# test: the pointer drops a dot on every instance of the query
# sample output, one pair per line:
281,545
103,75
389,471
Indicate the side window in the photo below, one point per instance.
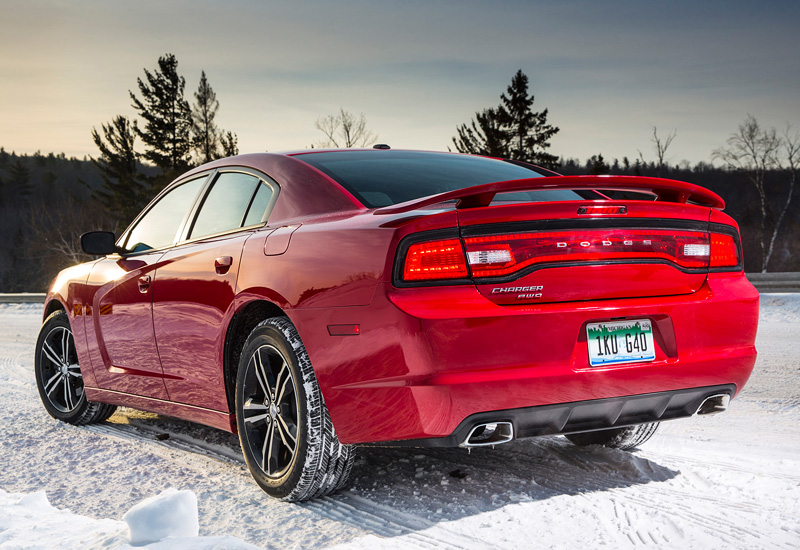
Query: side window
258,207
160,224
225,205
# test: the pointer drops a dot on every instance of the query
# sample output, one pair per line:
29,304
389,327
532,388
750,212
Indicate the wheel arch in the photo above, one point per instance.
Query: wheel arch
240,327
52,305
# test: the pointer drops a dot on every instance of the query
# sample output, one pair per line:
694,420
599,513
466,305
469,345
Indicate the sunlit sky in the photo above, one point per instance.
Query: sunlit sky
607,71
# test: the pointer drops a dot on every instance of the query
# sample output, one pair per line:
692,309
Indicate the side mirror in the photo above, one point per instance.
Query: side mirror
98,243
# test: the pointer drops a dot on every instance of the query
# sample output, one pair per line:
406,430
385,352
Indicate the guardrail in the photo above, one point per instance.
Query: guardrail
23,298
775,282
764,282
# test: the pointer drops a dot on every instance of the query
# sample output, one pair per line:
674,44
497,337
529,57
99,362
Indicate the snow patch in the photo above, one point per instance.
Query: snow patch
171,513
168,521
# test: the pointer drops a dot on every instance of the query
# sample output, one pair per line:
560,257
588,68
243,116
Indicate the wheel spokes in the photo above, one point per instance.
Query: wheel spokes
282,392
261,374
284,432
51,354
250,406
266,452
68,395
65,347
54,380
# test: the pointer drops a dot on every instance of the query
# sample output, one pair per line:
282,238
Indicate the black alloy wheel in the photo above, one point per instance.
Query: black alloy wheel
270,411
286,434
60,371
59,378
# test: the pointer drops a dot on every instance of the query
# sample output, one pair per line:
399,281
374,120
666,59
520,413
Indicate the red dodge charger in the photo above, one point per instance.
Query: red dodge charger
319,300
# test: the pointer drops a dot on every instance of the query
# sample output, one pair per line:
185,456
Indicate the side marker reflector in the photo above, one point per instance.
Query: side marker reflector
344,330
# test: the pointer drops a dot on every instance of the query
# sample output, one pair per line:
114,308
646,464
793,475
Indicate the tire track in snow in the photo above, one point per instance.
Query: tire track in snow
343,507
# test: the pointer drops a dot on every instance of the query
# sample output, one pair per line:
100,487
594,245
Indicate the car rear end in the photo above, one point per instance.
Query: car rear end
504,316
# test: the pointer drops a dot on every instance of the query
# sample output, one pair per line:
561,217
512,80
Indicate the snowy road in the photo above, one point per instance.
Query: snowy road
732,480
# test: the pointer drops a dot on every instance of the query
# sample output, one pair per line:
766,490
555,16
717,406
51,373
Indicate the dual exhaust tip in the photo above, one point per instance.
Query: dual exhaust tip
489,433
714,404
494,433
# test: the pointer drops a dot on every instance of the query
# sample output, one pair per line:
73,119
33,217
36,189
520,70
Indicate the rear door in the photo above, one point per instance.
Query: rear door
195,282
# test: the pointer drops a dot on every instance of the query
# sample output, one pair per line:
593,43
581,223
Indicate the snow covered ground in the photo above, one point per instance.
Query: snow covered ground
729,481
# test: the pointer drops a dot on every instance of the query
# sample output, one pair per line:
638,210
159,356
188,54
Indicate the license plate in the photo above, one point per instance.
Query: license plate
620,342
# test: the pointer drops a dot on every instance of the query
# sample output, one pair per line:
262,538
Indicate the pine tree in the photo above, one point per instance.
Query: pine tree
597,165
123,192
230,144
20,179
511,130
204,130
528,131
167,115
484,136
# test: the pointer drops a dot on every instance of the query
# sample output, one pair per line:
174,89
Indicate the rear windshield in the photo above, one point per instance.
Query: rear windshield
382,178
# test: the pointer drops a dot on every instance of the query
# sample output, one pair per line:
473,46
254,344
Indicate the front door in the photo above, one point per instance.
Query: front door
124,353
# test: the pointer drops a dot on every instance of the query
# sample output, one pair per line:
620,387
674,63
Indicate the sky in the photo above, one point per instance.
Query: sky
608,72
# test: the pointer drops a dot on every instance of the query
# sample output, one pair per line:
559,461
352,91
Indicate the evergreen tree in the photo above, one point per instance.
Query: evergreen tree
597,165
167,117
20,179
511,130
484,136
230,144
122,193
204,130
528,131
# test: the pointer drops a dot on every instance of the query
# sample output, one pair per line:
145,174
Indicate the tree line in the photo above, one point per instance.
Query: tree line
47,201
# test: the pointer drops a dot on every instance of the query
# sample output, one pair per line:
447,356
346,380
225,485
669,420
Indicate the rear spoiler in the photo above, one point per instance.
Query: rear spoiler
482,195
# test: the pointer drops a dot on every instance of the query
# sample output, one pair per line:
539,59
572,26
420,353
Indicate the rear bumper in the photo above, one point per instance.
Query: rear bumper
582,416
427,359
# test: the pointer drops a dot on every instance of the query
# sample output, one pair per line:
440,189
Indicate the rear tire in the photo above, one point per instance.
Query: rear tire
58,375
626,438
286,434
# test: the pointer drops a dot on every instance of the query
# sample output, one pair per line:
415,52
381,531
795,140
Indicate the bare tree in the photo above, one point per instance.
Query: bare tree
791,149
53,236
753,151
345,130
661,145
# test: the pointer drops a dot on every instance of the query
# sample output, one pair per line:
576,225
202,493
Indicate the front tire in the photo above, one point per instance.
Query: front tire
626,438
58,375
286,434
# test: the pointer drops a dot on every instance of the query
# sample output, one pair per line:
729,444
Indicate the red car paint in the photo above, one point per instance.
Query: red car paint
397,361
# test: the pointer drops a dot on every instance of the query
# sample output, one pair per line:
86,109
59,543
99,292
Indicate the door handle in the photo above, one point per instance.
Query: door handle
144,283
223,264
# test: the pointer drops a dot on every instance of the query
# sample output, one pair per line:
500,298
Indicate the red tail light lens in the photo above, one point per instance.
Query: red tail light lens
435,260
499,255
724,252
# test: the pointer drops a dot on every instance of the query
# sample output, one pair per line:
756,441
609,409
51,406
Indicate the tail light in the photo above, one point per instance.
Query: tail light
504,255
435,260
724,251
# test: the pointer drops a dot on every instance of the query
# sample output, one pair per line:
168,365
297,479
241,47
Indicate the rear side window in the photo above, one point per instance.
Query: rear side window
382,178
226,204
257,209
159,226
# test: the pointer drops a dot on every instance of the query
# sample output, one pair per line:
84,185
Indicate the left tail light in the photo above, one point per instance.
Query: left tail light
435,260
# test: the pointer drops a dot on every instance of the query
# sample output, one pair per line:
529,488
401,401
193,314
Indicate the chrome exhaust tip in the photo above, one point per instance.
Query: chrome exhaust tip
489,433
714,404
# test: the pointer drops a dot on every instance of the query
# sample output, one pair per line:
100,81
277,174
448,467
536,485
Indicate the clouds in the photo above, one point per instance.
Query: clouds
417,69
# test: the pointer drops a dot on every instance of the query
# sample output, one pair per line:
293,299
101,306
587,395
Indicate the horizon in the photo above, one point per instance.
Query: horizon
607,75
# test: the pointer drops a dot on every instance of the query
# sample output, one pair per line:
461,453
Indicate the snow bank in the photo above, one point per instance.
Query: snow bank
168,521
